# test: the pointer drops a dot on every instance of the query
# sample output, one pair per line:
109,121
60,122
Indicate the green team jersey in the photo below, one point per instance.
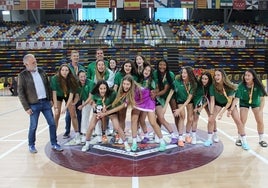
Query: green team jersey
146,84
200,95
219,97
108,101
181,93
91,68
80,67
243,93
162,99
86,89
119,77
55,86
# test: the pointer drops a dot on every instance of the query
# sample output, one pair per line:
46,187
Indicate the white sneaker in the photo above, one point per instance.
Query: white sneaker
156,139
127,148
138,138
83,139
215,138
85,148
77,140
99,138
120,141
193,140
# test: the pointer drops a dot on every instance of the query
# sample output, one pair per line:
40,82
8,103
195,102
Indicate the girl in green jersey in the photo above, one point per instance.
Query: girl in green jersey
250,94
102,98
222,93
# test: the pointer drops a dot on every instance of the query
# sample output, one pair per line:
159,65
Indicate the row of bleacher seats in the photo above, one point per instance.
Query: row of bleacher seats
233,61
178,29
216,30
130,30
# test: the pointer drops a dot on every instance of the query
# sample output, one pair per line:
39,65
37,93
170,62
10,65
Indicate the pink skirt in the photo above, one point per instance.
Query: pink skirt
143,100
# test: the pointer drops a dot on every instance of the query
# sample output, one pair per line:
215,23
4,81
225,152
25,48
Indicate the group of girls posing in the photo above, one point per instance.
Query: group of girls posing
110,92
218,94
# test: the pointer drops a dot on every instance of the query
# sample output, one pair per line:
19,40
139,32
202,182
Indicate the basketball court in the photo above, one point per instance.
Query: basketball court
221,165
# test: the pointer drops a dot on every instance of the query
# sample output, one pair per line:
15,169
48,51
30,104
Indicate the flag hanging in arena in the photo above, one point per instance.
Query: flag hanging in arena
89,3
33,4
239,4
252,4
214,4
202,4
131,4
74,4
47,4
147,3
20,4
187,3
226,3
263,4
102,3
63,4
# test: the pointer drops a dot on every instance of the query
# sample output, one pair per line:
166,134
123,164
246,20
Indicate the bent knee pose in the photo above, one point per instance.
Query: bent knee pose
145,106
201,101
250,94
184,89
103,98
163,78
222,93
64,88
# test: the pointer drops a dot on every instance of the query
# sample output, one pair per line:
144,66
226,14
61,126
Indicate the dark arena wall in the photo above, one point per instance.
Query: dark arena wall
233,60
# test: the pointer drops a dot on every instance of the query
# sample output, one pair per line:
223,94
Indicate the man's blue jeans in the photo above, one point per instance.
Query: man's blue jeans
43,106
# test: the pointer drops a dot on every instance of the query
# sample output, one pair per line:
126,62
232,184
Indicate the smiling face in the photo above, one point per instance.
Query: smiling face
248,77
75,57
99,55
127,68
184,75
126,85
204,80
218,76
139,61
82,78
112,64
147,71
101,66
102,90
162,66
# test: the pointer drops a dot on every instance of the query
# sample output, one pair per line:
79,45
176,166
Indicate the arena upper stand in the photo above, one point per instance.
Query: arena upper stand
177,41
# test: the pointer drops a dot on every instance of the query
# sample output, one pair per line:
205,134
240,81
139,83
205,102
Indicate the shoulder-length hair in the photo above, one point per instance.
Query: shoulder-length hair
191,77
145,62
100,75
95,90
141,79
133,69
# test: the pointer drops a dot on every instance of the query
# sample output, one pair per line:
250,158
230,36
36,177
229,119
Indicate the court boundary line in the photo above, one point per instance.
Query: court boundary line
263,159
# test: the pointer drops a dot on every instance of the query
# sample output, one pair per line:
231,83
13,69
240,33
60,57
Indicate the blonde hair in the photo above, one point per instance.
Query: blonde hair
129,95
227,84
74,52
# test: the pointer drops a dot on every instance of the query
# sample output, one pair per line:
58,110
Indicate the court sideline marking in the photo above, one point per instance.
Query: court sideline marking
263,159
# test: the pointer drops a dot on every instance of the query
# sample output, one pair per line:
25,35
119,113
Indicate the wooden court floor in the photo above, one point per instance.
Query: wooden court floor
233,168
